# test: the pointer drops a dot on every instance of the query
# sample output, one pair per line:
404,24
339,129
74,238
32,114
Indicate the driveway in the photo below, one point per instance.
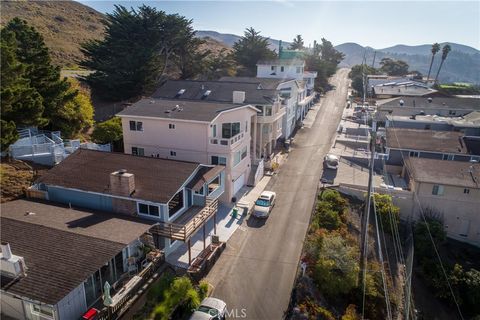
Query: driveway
256,272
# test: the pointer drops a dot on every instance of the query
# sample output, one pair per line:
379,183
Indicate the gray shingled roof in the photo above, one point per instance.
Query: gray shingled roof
177,109
220,91
266,83
456,173
85,222
426,140
57,261
156,179
436,102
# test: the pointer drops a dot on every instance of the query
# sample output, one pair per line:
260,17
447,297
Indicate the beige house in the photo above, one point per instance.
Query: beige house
449,190
203,132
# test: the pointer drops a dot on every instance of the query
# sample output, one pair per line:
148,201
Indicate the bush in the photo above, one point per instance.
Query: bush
336,269
203,289
328,219
335,199
351,313
109,131
423,242
389,213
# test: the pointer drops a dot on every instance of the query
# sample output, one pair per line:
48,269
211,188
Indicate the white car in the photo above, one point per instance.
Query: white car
331,162
264,204
210,309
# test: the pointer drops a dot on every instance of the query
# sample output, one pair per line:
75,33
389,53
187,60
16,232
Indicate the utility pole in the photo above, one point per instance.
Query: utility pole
366,216
374,55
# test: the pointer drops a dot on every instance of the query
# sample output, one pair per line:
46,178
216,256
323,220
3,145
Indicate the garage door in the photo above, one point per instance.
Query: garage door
238,184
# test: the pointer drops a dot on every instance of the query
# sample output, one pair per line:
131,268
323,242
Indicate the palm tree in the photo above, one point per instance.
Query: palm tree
445,50
435,49
297,43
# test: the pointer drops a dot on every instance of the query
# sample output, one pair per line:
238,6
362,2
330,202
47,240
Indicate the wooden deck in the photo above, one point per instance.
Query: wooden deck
188,223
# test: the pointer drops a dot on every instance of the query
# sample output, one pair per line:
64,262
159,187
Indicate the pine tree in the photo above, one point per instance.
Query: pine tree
250,49
297,43
44,77
21,105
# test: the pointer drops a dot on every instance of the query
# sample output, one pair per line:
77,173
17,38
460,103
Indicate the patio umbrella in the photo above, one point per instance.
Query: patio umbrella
107,299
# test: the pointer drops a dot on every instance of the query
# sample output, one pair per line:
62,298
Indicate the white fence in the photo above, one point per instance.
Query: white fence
259,172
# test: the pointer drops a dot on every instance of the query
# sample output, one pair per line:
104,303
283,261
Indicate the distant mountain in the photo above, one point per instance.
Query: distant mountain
462,64
229,39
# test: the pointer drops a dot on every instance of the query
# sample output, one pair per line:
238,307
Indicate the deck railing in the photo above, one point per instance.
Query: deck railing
182,232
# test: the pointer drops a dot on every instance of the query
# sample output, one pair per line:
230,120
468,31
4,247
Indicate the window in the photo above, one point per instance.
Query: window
148,209
452,112
475,159
437,190
466,191
171,126
136,126
273,68
447,156
237,158
214,130
230,130
414,154
138,151
244,153
427,127
219,160
176,204
42,311
299,69
282,68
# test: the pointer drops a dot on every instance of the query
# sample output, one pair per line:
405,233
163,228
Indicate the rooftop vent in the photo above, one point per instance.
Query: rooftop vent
29,213
180,92
206,94
429,100
401,102
177,108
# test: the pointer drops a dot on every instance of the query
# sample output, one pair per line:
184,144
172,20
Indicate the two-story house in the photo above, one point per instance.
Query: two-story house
204,132
449,190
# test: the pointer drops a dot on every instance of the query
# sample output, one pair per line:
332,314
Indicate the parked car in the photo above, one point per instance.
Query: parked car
331,161
264,204
210,309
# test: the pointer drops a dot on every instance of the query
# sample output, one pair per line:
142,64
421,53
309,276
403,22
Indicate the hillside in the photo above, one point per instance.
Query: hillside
229,39
462,64
63,24
67,24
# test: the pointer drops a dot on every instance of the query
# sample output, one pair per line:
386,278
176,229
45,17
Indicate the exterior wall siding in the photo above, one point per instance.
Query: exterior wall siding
72,305
80,199
455,207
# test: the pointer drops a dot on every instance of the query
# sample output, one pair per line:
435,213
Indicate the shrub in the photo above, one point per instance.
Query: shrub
423,242
351,313
203,289
109,131
389,213
336,269
328,219
336,200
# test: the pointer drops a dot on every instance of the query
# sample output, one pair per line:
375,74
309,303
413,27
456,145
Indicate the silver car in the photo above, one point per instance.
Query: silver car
331,161
210,309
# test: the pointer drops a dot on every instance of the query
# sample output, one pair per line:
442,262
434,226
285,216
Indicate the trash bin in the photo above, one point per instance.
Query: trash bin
235,212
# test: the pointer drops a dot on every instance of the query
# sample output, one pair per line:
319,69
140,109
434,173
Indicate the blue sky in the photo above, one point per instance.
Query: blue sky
378,24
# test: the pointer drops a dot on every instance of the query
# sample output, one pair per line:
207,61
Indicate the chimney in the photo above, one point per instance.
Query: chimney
238,96
122,183
6,251
10,264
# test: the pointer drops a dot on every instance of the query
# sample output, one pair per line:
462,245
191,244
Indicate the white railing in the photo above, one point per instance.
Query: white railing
259,172
227,141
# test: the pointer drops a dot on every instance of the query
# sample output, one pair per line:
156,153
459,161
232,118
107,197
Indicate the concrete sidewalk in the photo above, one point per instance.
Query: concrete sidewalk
226,225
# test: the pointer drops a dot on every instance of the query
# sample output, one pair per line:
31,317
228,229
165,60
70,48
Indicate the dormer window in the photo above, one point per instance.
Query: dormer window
282,69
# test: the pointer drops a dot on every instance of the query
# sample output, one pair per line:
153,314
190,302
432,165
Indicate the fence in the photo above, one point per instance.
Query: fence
259,172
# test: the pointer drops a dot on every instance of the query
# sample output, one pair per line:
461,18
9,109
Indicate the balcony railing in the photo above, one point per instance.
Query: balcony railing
227,141
183,231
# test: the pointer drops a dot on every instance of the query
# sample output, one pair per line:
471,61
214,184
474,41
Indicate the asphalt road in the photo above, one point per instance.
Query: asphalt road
256,272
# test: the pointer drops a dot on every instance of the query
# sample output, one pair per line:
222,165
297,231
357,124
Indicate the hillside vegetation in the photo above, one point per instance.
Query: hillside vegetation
65,25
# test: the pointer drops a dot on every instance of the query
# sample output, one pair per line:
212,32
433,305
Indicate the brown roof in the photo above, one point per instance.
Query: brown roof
425,140
84,222
156,179
57,261
203,175
456,173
